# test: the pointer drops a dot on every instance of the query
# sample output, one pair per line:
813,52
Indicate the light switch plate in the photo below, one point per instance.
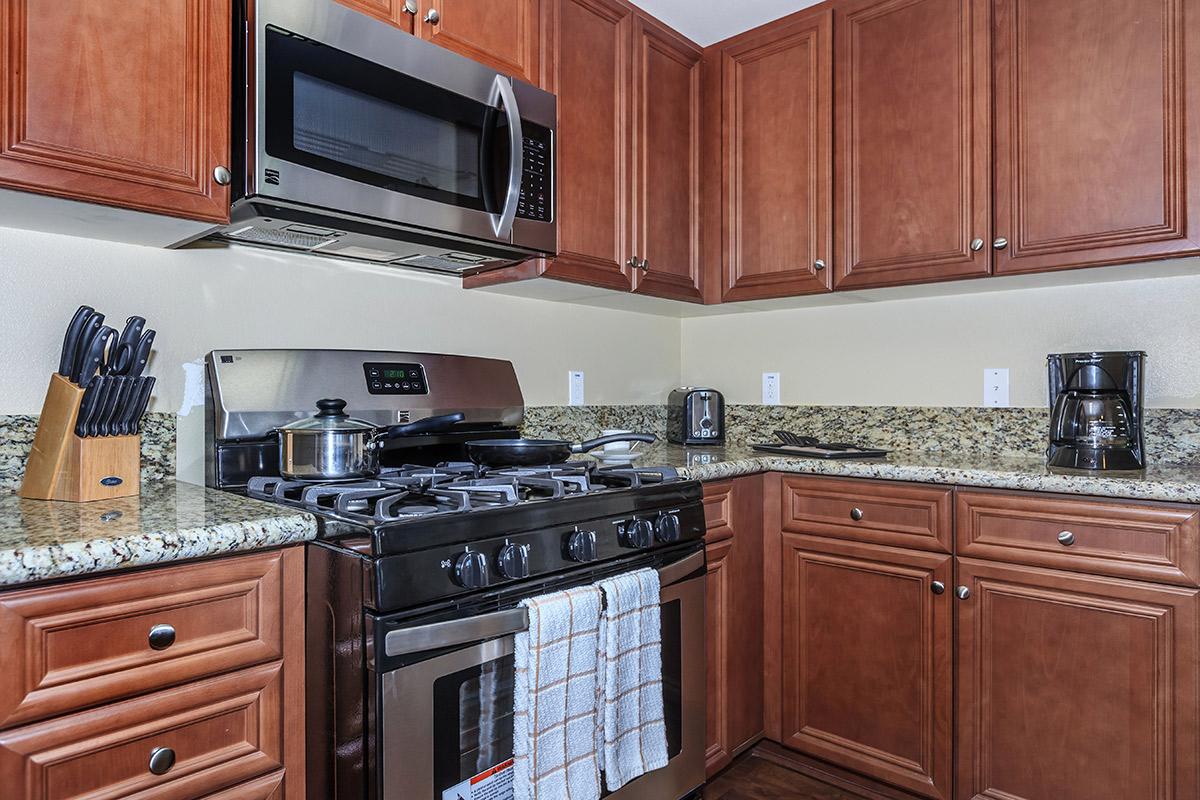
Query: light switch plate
575,387
995,387
770,388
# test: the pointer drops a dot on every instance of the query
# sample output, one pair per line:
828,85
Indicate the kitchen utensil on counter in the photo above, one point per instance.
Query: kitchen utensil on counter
1096,411
331,445
695,416
540,452
86,446
792,444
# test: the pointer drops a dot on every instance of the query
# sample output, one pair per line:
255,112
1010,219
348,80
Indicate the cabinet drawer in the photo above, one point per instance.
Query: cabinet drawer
82,644
222,731
718,512
881,512
1155,542
268,787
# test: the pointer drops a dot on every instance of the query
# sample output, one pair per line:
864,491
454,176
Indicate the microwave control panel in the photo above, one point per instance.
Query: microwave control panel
395,378
536,173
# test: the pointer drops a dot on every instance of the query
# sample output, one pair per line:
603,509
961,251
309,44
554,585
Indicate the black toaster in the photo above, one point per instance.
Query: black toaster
695,416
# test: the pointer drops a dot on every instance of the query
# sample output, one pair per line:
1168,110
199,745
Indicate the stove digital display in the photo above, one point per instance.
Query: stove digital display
395,378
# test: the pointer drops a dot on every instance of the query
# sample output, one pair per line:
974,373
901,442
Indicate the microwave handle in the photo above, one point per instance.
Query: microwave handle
502,93
454,632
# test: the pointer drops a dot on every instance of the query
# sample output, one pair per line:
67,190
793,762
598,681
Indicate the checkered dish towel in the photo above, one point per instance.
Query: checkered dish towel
634,733
555,719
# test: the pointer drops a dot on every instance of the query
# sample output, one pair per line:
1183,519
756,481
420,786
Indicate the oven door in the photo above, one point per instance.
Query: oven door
445,723
352,115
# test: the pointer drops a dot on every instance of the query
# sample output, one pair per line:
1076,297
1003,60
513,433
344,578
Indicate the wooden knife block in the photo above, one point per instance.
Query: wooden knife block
63,466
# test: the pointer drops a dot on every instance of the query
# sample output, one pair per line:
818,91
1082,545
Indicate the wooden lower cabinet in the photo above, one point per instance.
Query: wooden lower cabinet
866,646
1075,687
733,631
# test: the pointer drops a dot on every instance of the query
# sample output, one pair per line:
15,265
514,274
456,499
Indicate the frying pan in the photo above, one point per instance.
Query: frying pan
540,452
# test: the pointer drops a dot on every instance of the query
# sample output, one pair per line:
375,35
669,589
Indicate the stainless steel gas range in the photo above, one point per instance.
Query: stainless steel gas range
414,582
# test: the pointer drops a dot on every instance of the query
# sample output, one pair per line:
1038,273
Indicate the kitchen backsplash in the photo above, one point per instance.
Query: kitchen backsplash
16,439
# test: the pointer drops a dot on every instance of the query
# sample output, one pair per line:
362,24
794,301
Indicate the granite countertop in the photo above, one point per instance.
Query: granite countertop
43,540
1178,483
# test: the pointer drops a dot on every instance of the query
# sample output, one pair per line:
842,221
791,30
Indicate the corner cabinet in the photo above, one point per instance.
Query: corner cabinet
97,108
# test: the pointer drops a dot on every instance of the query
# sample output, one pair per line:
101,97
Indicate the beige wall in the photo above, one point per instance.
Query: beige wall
199,300
932,351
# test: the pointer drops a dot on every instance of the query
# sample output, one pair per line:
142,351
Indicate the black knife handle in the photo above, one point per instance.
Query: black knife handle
71,341
87,407
143,403
91,330
104,423
121,359
141,354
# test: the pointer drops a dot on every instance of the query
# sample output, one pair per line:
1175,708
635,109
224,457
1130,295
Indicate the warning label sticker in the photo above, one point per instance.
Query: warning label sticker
495,783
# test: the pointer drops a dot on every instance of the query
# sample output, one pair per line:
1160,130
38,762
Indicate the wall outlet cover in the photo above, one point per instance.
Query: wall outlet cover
995,387
770,388
575,387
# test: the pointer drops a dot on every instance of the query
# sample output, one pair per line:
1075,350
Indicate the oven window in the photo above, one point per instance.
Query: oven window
346,116
473,723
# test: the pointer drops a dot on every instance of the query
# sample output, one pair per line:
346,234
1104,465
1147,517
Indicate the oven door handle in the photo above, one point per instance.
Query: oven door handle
451,633
502,94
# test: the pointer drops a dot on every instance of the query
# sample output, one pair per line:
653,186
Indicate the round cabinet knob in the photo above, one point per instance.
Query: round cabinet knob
645,265
976,245
937,587
633,262
1000,243
161,637
819,264
638,534
962,593
433,17
471,570
856,514
161,760
410,7
514,561
1066,538
581,546
667,529
222,175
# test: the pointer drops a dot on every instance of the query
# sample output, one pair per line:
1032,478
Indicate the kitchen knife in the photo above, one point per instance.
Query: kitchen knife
71,340
95,321
143,402
121,358
127,411
87,407
104,420
91,423
112,425
141,354
90,356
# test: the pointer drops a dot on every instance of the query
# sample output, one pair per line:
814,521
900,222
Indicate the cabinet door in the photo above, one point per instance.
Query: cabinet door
1097,115
589,71
778,125
913,157
400,13
96,109
733,620
500,33
866,660
666,168
1075,687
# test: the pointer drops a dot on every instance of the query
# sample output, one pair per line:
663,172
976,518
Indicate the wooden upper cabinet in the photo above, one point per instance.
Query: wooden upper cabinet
776,160
99,108
500,33
589,71
912,181
396,12
1097,115
666,167
1075,687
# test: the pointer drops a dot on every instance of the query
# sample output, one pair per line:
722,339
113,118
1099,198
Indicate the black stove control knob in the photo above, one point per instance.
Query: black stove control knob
471,570
581,546
637,534
513,562
667,529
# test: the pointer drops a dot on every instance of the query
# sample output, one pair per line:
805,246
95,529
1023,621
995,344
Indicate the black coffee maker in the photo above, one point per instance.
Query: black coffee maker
1096,411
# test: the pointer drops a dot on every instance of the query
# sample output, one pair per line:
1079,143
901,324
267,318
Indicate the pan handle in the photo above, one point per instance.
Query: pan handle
427,425
592,444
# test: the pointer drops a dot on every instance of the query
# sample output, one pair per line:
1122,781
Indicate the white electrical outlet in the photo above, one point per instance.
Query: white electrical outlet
770,392
575,387
995,387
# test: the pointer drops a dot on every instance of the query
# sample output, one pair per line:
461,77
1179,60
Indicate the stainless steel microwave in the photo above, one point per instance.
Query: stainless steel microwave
357,140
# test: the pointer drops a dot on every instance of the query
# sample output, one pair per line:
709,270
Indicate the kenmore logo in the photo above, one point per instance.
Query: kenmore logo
272,177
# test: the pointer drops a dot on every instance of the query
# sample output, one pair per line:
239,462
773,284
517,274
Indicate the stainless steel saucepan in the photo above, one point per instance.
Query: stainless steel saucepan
331,445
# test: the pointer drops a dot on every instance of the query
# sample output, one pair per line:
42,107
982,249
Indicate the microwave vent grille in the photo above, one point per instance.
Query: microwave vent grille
450,261
280,238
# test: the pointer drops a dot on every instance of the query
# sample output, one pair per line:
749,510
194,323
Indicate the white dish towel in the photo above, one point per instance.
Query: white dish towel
634,733
555,715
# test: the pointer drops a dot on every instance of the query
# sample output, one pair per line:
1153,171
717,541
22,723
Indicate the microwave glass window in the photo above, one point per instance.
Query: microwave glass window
374,135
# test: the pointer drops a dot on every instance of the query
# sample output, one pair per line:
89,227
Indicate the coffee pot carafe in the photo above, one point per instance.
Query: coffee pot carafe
1096,411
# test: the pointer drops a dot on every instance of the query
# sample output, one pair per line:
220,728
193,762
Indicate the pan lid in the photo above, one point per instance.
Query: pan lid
331,416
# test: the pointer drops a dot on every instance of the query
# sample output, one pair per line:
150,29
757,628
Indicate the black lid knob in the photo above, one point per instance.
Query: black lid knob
331,407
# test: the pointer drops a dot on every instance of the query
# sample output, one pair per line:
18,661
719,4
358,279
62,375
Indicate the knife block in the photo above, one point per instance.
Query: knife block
63,466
